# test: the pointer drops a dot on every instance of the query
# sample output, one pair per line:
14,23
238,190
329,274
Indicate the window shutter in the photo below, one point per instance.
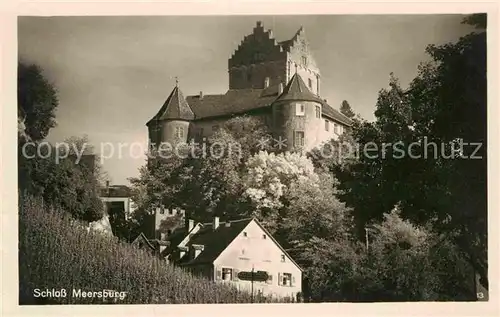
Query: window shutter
235,275
270,279
280,279
219,274
293,281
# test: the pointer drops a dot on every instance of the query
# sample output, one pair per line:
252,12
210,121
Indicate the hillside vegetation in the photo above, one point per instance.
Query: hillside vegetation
56,252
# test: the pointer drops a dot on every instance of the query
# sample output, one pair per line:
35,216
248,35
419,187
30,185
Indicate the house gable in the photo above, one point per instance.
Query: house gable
245,248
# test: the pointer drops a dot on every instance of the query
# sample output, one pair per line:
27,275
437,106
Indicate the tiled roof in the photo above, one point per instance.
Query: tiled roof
115,191
334,114
240,101
175,107
216,241
297,90
234,101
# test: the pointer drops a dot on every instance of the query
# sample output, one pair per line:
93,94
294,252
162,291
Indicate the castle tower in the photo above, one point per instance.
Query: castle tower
297,115
165,221
260,60
171,124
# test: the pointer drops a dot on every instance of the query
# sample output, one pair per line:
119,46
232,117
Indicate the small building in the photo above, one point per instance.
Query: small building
220,250
117,200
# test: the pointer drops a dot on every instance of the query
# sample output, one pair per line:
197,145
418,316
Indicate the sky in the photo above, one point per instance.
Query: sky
113,74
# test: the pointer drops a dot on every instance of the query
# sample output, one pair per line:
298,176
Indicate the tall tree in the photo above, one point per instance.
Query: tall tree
443,184
37,100
346,110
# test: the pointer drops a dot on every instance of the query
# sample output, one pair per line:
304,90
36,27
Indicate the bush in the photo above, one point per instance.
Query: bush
56,252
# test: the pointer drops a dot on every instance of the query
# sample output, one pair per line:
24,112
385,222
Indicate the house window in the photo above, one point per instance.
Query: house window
227,274
287,279
179,132
327,125
300,109
310,83
318,112
299,139
264,236
282,258
336,128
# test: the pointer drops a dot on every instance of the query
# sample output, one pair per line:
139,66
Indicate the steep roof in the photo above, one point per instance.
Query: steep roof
233,102
175,107
216,241
334,114
297,90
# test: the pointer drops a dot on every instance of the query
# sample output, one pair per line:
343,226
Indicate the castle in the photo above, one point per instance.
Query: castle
279,82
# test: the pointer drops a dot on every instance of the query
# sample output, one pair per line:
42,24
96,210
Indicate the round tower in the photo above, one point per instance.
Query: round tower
297,119
172,123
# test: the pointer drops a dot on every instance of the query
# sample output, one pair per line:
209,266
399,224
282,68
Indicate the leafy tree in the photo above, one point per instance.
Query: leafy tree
60,182
37,101
445,104
346,110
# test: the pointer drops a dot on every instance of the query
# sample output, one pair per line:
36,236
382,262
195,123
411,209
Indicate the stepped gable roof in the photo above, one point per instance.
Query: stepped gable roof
233,102
216,241
175,107
289,43
297,90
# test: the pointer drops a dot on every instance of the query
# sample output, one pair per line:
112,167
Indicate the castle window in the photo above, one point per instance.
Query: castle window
245,234
299,139
300,109
179,132
327,125
264,236
310,83
318,112
282,258
304,60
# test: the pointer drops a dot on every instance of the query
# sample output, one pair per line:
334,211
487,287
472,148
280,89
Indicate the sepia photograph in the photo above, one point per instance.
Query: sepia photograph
252,159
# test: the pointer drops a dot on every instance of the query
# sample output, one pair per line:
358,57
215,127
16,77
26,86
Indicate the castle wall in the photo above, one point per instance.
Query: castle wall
301,60
288,125
254,75
258,56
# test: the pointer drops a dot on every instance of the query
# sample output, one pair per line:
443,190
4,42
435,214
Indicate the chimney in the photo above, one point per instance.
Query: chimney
215,224
266,82
201,94
190,225
280,89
